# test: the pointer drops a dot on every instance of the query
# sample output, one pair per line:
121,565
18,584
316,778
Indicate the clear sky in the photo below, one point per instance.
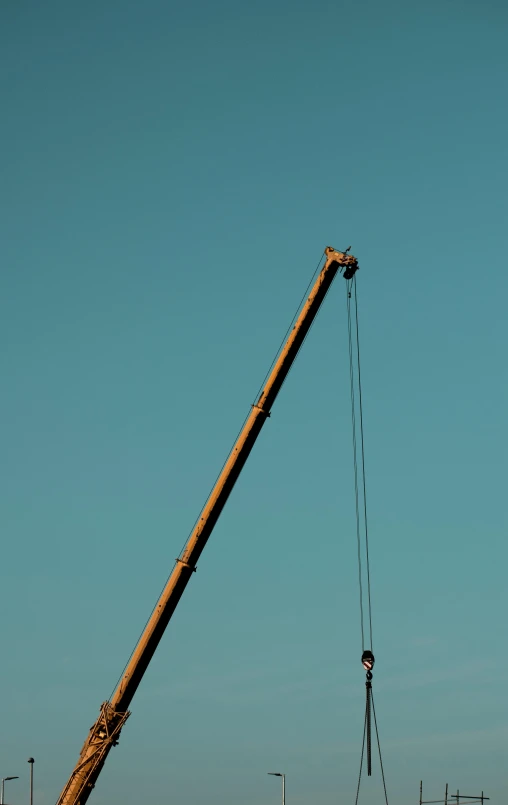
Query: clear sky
171,173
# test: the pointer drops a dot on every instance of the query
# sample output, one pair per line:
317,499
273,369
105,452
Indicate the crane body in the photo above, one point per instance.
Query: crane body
104,734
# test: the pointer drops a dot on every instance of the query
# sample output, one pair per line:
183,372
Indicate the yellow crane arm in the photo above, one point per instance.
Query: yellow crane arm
105,732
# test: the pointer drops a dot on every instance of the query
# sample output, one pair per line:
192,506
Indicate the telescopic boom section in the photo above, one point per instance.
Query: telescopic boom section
105,732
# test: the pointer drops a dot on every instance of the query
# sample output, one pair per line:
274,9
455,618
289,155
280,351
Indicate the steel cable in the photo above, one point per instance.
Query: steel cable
379,748
359,462
363,461
361,759
223,465
355,462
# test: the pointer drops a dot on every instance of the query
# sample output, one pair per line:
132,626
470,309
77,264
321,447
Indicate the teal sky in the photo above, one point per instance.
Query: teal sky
171,173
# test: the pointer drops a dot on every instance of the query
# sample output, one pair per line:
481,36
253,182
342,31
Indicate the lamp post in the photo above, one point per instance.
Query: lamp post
31,761
283,776
4,780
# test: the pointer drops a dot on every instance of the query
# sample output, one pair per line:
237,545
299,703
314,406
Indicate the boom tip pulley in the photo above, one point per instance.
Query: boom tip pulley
348,262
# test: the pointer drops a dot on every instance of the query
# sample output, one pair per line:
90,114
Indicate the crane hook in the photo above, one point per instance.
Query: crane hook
368,660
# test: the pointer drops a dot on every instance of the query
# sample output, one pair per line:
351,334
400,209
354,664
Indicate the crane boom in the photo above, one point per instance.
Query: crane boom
113,714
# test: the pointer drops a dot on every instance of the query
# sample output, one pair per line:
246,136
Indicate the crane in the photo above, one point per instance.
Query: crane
105,732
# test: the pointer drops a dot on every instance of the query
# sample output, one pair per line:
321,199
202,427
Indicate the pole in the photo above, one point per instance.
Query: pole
31,761
4,780
421,791
283,789
446,794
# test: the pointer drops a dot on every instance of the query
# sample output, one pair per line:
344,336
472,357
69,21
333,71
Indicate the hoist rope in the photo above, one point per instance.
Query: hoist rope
362,534
363,461
361,759
368,716
369,750
379,748
355,381
355,462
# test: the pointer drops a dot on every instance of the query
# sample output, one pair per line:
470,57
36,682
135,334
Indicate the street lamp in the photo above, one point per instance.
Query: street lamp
31,761
283,776
4,780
